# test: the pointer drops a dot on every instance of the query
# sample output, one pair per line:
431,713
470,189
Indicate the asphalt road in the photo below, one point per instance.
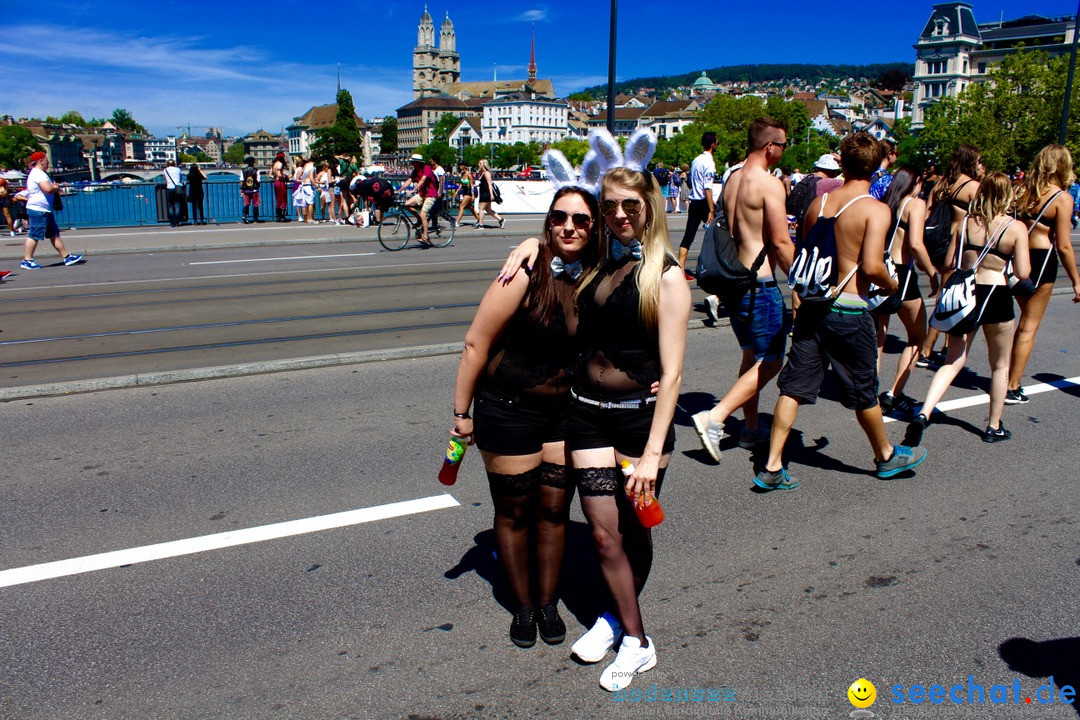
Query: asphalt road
782,599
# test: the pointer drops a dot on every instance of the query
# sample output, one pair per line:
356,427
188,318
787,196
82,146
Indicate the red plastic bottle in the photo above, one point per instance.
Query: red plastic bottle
455,452
649,514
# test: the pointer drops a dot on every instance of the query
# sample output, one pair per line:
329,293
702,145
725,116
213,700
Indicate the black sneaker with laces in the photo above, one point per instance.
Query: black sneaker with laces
523,627
904,405
1016,397
885,400
552,628
913,436
990,435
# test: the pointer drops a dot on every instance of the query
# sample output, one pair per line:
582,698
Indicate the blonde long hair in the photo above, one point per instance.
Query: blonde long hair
1053,166
655,243
994,197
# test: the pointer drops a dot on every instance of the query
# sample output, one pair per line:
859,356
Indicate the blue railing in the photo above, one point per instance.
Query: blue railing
144,203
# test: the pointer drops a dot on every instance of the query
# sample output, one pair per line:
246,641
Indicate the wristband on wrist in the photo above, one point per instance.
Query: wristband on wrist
463,416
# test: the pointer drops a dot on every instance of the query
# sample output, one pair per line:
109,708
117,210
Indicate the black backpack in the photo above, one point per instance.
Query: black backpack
663,176
719,270
800,198
936,231
815,270
250,181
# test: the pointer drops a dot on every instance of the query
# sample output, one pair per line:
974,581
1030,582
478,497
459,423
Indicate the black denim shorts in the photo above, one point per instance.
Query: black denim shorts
518,425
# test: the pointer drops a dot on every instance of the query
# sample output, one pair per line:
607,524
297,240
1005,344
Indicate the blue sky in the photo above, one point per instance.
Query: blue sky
252,65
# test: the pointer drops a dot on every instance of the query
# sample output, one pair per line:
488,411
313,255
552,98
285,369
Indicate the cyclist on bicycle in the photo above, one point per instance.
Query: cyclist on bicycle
427,189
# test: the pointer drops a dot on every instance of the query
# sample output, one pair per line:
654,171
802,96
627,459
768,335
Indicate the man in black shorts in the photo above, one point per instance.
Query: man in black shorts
839,332
379,193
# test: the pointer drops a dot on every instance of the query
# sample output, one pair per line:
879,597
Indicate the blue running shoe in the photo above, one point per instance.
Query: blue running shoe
29,265
70,259
903,458
775,480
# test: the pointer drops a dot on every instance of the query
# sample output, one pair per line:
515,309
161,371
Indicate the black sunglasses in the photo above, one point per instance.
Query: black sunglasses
781,145
557,218
630,206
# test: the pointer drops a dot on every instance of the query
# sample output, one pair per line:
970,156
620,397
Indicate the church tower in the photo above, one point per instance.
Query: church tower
434,67
425,58
449,60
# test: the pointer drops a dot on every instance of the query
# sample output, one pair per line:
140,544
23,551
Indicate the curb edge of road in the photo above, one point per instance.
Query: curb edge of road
172,377
271,366
230,245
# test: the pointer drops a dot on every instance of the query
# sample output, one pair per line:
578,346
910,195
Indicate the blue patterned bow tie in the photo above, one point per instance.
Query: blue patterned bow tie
571,270
619,251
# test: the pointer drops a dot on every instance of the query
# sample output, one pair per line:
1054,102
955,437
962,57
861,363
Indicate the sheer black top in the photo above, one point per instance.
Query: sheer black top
620,357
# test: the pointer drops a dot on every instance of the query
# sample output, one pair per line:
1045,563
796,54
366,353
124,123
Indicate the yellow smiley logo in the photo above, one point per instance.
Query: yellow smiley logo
862,693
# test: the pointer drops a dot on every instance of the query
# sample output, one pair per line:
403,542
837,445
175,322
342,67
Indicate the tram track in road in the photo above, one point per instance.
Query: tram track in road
67,334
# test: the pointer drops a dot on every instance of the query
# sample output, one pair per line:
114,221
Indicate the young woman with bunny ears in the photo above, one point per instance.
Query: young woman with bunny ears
515,373
633,312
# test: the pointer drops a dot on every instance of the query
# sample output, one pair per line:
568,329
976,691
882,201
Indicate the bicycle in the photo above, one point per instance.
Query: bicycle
395,227
439,236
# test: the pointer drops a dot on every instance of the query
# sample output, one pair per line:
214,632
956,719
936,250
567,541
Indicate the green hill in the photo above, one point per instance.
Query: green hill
882,74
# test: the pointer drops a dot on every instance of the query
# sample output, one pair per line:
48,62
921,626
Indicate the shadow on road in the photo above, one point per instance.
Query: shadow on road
1054,659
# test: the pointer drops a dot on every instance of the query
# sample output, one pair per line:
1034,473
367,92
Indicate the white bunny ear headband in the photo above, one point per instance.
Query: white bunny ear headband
604,155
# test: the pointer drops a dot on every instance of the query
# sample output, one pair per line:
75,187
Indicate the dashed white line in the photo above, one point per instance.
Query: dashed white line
273,259
102,561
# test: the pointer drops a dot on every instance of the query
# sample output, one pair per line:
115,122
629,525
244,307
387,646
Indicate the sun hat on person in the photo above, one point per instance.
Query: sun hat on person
416,158
827,162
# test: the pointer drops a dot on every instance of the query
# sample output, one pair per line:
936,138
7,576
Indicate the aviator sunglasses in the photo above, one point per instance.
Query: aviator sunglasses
557,218
630,206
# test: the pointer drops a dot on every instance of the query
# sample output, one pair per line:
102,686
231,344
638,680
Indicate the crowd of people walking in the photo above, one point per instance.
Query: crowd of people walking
573,363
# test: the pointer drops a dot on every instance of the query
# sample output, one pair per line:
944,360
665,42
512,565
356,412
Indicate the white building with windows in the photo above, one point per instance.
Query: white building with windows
954,50
524,118
160,150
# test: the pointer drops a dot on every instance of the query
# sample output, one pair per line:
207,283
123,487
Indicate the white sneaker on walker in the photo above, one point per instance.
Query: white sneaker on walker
631,660
594,644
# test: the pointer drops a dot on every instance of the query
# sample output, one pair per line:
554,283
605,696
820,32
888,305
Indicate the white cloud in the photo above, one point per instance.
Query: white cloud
167,81
538,15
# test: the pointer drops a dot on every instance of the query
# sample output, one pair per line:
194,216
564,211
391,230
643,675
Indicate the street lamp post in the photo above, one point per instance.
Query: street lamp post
1069,80
611,69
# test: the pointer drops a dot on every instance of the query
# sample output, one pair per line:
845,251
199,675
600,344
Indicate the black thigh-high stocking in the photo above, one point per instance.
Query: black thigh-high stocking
553,513
638,540
601,499
514,497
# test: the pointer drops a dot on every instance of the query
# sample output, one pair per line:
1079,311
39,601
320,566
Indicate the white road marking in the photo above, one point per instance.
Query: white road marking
271,259
89,563
984,399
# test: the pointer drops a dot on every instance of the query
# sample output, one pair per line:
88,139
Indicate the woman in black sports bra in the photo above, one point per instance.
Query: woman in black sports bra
1046,208
957,188
909,217
988,224
515,372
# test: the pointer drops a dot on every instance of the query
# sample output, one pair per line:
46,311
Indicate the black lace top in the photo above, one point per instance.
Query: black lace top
532,359
619,356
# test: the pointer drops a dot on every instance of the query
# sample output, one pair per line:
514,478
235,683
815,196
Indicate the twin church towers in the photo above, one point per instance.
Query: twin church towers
437,68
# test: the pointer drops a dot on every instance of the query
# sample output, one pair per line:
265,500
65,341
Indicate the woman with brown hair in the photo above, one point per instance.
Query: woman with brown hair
1046,208
988,238
515,372
487,194
957,188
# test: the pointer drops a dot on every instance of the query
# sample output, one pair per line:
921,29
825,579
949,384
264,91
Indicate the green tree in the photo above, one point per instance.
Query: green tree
235,154
185,158
573,149
1009,117
446,124
471,154
16,145
389,143
124,120
343,137
73,117
446,155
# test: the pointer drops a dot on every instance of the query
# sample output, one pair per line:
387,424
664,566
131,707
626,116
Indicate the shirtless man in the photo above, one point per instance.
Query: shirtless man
840,332
754,200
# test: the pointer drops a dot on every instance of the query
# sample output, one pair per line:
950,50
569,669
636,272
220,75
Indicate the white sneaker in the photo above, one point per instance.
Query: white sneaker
712,308
594,645
709,433
631,660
